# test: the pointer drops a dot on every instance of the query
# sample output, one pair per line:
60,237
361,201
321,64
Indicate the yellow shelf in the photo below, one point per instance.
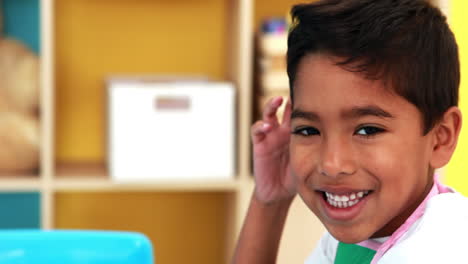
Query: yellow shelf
184,228
98,39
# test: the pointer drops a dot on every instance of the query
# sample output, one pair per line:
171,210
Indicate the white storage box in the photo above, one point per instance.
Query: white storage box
171,130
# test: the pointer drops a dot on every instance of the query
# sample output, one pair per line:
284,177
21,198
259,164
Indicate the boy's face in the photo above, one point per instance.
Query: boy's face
357,151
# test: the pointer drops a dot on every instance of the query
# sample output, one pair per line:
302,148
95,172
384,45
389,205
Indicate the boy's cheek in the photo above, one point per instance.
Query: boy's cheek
303,152
302,164
381,158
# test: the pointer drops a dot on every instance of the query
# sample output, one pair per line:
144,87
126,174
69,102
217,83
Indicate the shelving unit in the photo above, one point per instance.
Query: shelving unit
14,183
81,42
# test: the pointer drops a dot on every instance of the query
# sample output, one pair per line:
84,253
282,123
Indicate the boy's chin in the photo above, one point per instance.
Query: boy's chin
349,235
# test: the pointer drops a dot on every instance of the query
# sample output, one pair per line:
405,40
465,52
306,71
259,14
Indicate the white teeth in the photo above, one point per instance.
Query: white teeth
344,201
342,204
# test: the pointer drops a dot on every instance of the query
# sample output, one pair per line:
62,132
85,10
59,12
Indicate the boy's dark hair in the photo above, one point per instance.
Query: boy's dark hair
405,43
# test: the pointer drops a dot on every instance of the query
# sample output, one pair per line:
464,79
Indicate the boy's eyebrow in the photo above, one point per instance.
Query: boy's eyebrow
369,110
355,112
298,113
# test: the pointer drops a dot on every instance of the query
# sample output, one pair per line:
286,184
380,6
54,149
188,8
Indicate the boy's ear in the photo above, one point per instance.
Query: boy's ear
446,137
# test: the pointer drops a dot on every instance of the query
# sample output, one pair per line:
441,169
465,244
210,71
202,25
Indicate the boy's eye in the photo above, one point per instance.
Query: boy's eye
306,131
369,131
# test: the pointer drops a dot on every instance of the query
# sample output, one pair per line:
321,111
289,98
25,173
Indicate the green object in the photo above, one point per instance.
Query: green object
20,210
353,254
21,21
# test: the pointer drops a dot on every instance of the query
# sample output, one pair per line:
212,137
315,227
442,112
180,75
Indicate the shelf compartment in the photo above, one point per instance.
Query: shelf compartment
192,223
96,39
21,22
23,210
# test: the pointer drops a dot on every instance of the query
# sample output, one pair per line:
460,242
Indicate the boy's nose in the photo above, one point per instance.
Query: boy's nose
337,159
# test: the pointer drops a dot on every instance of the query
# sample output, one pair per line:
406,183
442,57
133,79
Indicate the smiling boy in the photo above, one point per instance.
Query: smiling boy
374,91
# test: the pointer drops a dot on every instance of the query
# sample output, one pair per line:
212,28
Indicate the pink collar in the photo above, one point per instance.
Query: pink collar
437,188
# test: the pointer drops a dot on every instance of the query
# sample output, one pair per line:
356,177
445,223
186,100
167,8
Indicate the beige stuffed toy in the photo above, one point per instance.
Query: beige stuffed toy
19,108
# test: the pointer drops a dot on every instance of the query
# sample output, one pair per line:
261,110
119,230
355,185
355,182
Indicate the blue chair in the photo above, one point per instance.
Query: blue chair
74,247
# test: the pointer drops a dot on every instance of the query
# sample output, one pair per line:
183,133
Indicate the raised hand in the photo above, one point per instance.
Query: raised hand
273,179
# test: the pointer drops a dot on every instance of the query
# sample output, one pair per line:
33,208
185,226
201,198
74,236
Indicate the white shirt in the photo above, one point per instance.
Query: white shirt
437,237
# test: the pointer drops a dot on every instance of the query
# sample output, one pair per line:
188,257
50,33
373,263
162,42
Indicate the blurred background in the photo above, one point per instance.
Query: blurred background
73,71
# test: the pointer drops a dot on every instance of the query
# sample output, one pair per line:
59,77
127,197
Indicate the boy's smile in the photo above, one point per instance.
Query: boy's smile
357,151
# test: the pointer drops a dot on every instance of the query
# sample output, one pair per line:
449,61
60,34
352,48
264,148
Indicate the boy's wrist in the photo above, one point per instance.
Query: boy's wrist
261,233
280,204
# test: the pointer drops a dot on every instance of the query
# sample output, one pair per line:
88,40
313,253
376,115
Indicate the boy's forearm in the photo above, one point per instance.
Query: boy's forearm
260,236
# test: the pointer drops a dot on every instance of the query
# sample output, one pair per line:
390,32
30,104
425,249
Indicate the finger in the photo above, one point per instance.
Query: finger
287,113
269,113
259,131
